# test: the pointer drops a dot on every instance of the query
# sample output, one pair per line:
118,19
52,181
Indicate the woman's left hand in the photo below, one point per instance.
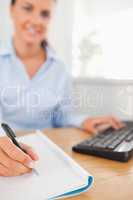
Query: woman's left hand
95,125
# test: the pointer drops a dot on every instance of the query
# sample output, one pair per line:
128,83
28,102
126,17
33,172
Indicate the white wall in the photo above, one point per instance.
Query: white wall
5,25
96,97
62,26
104,7
103,39
104,97
61,31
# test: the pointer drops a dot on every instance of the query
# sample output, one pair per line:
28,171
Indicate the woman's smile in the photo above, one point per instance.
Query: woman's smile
33,31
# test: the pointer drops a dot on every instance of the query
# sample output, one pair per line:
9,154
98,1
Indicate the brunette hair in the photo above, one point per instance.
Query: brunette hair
14,1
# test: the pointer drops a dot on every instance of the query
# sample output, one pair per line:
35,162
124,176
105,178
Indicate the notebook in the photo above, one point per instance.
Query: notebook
58,176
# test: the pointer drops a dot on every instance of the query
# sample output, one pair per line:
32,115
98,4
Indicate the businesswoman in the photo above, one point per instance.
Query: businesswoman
35,88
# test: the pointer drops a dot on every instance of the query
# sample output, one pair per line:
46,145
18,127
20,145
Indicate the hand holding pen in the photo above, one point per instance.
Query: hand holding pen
15,158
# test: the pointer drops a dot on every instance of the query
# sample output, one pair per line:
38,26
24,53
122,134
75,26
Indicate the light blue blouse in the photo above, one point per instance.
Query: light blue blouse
45,101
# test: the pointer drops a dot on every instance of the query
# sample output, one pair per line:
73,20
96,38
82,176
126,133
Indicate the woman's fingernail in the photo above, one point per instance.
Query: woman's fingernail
31,164
36,157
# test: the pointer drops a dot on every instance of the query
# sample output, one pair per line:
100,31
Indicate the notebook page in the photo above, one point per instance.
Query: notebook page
55,176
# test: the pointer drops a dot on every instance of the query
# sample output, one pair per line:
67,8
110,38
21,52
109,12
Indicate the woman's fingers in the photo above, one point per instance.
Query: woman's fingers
89,126
4,171
92,129
103,127
30,151
95,124
111,121
14,168
119,123
15,153
13,161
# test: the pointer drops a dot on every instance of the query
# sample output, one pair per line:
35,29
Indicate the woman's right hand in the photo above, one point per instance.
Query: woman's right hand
13,161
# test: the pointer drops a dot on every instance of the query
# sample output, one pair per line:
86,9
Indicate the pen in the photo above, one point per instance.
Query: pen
10,133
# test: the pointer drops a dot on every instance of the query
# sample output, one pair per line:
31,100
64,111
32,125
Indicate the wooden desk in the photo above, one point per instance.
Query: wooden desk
113,180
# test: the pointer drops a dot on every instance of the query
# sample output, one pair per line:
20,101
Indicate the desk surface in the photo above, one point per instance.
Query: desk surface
113,180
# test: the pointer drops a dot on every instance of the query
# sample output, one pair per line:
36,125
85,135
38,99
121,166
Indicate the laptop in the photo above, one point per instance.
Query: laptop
110,144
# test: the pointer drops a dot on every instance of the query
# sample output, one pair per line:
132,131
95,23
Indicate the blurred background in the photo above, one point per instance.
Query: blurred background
95,40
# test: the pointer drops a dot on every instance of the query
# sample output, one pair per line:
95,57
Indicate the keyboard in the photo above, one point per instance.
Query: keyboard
111,144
